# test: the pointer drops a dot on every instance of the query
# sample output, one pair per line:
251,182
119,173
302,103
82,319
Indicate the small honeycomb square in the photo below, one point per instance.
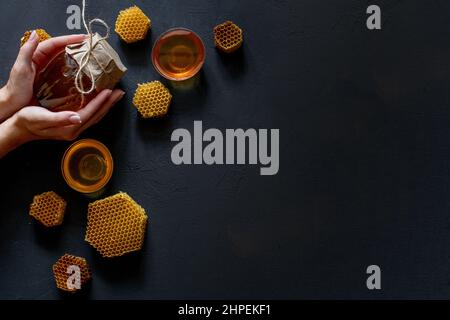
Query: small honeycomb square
62,272
48,208
228,37
116,225
42,34
152,99
132,25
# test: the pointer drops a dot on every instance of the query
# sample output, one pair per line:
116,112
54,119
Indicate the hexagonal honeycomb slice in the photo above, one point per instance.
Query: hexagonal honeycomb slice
62,270
48,208
116,225
152,99
132,25
228,37
43,35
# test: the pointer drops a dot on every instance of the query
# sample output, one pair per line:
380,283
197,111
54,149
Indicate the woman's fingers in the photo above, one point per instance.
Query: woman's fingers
62,119
47,50
95,105
115,97
42,118
90,115
69,125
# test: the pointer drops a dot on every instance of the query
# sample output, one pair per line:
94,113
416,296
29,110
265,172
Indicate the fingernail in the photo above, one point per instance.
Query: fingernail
33,36
75,119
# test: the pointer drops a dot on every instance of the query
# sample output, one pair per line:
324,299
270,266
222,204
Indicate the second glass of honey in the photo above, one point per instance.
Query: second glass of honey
87,167
178,54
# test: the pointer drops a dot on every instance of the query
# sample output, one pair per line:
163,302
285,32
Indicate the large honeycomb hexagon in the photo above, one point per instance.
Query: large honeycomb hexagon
132,25
42,34
116,225
152,99
65,268
48,208
228,37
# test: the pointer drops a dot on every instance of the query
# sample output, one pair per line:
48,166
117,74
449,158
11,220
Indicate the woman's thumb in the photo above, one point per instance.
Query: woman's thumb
63,118
44,118
27,51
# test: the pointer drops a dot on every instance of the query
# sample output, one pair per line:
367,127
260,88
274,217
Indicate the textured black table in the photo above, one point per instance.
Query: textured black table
364,177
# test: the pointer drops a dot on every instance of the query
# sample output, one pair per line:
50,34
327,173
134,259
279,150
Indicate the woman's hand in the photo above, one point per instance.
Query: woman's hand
37,123
32,58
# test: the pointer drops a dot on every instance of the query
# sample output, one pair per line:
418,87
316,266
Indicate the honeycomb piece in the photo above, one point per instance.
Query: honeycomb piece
62,272
48,208
116,225
132,25
43,35
228,37
152,99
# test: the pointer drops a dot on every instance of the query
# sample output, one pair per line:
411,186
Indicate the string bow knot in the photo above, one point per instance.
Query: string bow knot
84,66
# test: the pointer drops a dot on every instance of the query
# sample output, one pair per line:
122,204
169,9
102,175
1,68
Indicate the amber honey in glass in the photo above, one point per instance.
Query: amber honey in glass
87,166
55,85
178,54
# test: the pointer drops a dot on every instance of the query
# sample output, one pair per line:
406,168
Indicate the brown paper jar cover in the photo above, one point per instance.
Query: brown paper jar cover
55,85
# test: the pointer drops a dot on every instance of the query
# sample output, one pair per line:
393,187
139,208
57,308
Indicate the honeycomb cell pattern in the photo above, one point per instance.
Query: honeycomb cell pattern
132,25
48,208
43,35
228,37
116,225
62,273
152,99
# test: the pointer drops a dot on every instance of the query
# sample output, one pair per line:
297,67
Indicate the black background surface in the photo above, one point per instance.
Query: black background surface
364,176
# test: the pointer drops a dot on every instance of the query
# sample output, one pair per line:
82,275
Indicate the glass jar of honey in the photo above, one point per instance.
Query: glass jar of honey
55,85
101,68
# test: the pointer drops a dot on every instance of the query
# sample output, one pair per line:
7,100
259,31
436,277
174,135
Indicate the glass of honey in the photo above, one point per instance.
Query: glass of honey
87,166
178,54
